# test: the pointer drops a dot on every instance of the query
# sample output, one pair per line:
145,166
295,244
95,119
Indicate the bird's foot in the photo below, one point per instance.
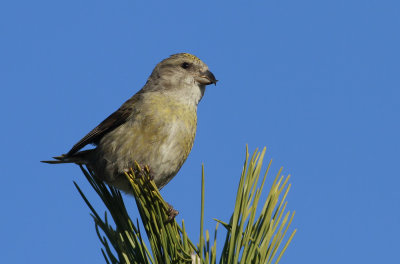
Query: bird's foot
171,213
140,170
146,168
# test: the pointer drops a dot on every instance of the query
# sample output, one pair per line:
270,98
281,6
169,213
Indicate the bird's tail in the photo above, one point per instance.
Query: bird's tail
78,158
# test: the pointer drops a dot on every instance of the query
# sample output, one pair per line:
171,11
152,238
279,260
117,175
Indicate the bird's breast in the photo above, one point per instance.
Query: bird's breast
159,133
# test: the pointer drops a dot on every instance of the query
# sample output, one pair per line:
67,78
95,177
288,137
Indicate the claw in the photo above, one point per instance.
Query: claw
172,213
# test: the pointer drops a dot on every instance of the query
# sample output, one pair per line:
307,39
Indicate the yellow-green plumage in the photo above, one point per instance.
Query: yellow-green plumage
161,136
156,127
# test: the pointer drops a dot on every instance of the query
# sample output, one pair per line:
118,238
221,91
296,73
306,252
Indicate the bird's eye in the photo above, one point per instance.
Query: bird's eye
185,65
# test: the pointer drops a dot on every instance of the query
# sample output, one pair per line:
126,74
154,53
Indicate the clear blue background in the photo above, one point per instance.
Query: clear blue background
317,82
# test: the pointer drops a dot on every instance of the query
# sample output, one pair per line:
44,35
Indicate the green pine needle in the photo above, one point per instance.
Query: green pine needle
255,233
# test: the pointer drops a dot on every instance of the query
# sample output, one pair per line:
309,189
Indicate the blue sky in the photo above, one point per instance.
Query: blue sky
317,82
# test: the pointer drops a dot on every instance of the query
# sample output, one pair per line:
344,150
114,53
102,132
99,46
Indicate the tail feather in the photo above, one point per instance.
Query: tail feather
62,157
78,158
54,161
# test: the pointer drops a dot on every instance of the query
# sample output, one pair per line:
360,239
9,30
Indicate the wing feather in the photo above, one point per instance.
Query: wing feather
113,121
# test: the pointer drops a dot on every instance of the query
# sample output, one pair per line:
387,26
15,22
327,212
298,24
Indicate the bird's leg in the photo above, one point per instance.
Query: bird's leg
171,213
144,172
148,171
140,170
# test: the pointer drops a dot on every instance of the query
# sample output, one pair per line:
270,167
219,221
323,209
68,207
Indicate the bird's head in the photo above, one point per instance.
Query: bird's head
182,75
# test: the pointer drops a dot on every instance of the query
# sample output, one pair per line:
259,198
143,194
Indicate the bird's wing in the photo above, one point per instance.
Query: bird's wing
110,123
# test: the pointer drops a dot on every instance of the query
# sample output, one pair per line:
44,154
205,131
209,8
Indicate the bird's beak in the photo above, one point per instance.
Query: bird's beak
206,78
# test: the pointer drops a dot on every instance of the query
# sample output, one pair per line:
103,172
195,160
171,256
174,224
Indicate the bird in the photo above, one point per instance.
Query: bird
156,127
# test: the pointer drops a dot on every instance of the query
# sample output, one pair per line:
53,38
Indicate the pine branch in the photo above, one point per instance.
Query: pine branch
251,236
